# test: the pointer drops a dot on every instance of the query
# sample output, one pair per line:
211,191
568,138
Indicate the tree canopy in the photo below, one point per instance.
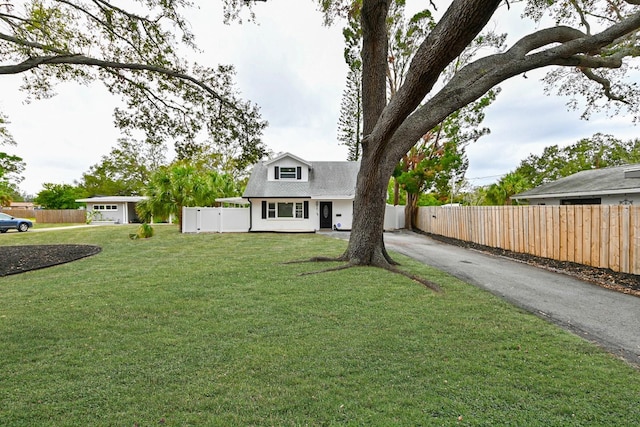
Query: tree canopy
125,171
183,183
59,196
137,52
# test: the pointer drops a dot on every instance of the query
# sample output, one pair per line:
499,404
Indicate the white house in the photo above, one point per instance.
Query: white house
117,209
619,185
288,193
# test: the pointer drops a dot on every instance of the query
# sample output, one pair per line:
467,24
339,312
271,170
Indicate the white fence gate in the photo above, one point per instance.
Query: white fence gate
215,220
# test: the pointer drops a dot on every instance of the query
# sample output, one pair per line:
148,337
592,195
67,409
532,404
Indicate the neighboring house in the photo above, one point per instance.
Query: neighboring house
619,185
288,193
21,205
117,209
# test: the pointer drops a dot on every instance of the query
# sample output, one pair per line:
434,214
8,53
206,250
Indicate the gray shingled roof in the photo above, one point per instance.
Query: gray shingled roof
112,199
326,179
594,182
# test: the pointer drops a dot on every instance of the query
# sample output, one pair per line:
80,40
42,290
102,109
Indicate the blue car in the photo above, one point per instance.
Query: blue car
7,222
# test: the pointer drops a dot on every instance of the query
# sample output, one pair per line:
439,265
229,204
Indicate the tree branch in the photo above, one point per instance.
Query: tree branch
474,80
33,45
103,24
149,95
77,59
605,83
461,23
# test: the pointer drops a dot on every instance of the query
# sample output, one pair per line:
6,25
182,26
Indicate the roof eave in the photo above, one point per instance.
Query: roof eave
576,194
283,155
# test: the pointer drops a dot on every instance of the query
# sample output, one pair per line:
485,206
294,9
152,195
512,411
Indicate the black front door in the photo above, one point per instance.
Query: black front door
326,216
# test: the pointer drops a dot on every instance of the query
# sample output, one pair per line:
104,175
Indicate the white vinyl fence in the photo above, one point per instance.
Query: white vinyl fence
393,217
215,220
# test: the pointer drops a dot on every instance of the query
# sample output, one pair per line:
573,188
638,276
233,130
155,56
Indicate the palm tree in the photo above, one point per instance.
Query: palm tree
182,184
169,189
512,183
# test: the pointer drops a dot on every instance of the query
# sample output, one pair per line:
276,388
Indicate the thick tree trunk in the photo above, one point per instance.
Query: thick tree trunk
410,211
366,244
380,153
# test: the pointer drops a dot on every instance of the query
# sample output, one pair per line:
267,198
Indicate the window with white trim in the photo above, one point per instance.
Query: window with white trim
105,207
285,210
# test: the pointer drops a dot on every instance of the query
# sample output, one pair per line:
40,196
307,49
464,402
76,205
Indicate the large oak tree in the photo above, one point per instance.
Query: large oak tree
590,42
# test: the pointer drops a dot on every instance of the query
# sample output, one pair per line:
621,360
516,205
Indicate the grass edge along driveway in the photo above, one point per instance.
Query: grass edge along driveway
214,330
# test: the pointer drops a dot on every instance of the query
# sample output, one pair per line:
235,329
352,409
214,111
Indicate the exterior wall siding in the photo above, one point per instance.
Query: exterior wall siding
282,224
117,215
288,162
342,214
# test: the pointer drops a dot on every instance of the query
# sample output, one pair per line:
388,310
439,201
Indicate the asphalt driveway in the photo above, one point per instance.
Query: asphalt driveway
608,318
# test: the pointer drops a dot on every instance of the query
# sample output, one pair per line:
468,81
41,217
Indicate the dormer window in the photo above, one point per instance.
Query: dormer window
288,172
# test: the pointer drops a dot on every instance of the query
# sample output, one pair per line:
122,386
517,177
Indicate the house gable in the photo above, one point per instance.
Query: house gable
288,167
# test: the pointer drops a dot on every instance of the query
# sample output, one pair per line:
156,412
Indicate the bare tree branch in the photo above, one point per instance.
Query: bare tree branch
605,83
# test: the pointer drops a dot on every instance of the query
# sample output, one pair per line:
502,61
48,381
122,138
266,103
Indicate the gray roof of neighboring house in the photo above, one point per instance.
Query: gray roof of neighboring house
111,199
326,179
595,182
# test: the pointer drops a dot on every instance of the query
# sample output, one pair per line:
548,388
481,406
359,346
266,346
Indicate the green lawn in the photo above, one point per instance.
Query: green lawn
213,329
55,225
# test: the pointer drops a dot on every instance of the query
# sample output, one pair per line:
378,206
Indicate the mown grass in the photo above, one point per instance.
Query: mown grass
215,330
55,225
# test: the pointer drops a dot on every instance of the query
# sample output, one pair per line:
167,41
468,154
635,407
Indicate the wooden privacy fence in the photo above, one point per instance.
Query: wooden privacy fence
50,216
61,216
604,236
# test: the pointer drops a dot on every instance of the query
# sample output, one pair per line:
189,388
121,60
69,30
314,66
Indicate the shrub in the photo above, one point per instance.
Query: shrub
144,231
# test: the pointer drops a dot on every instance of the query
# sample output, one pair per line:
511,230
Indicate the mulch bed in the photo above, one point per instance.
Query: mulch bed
19,259
607,278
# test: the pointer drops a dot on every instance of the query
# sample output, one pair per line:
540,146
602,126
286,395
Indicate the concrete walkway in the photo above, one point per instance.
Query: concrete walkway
608,318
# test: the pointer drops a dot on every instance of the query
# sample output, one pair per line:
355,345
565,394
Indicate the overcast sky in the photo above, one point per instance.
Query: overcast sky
293,68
